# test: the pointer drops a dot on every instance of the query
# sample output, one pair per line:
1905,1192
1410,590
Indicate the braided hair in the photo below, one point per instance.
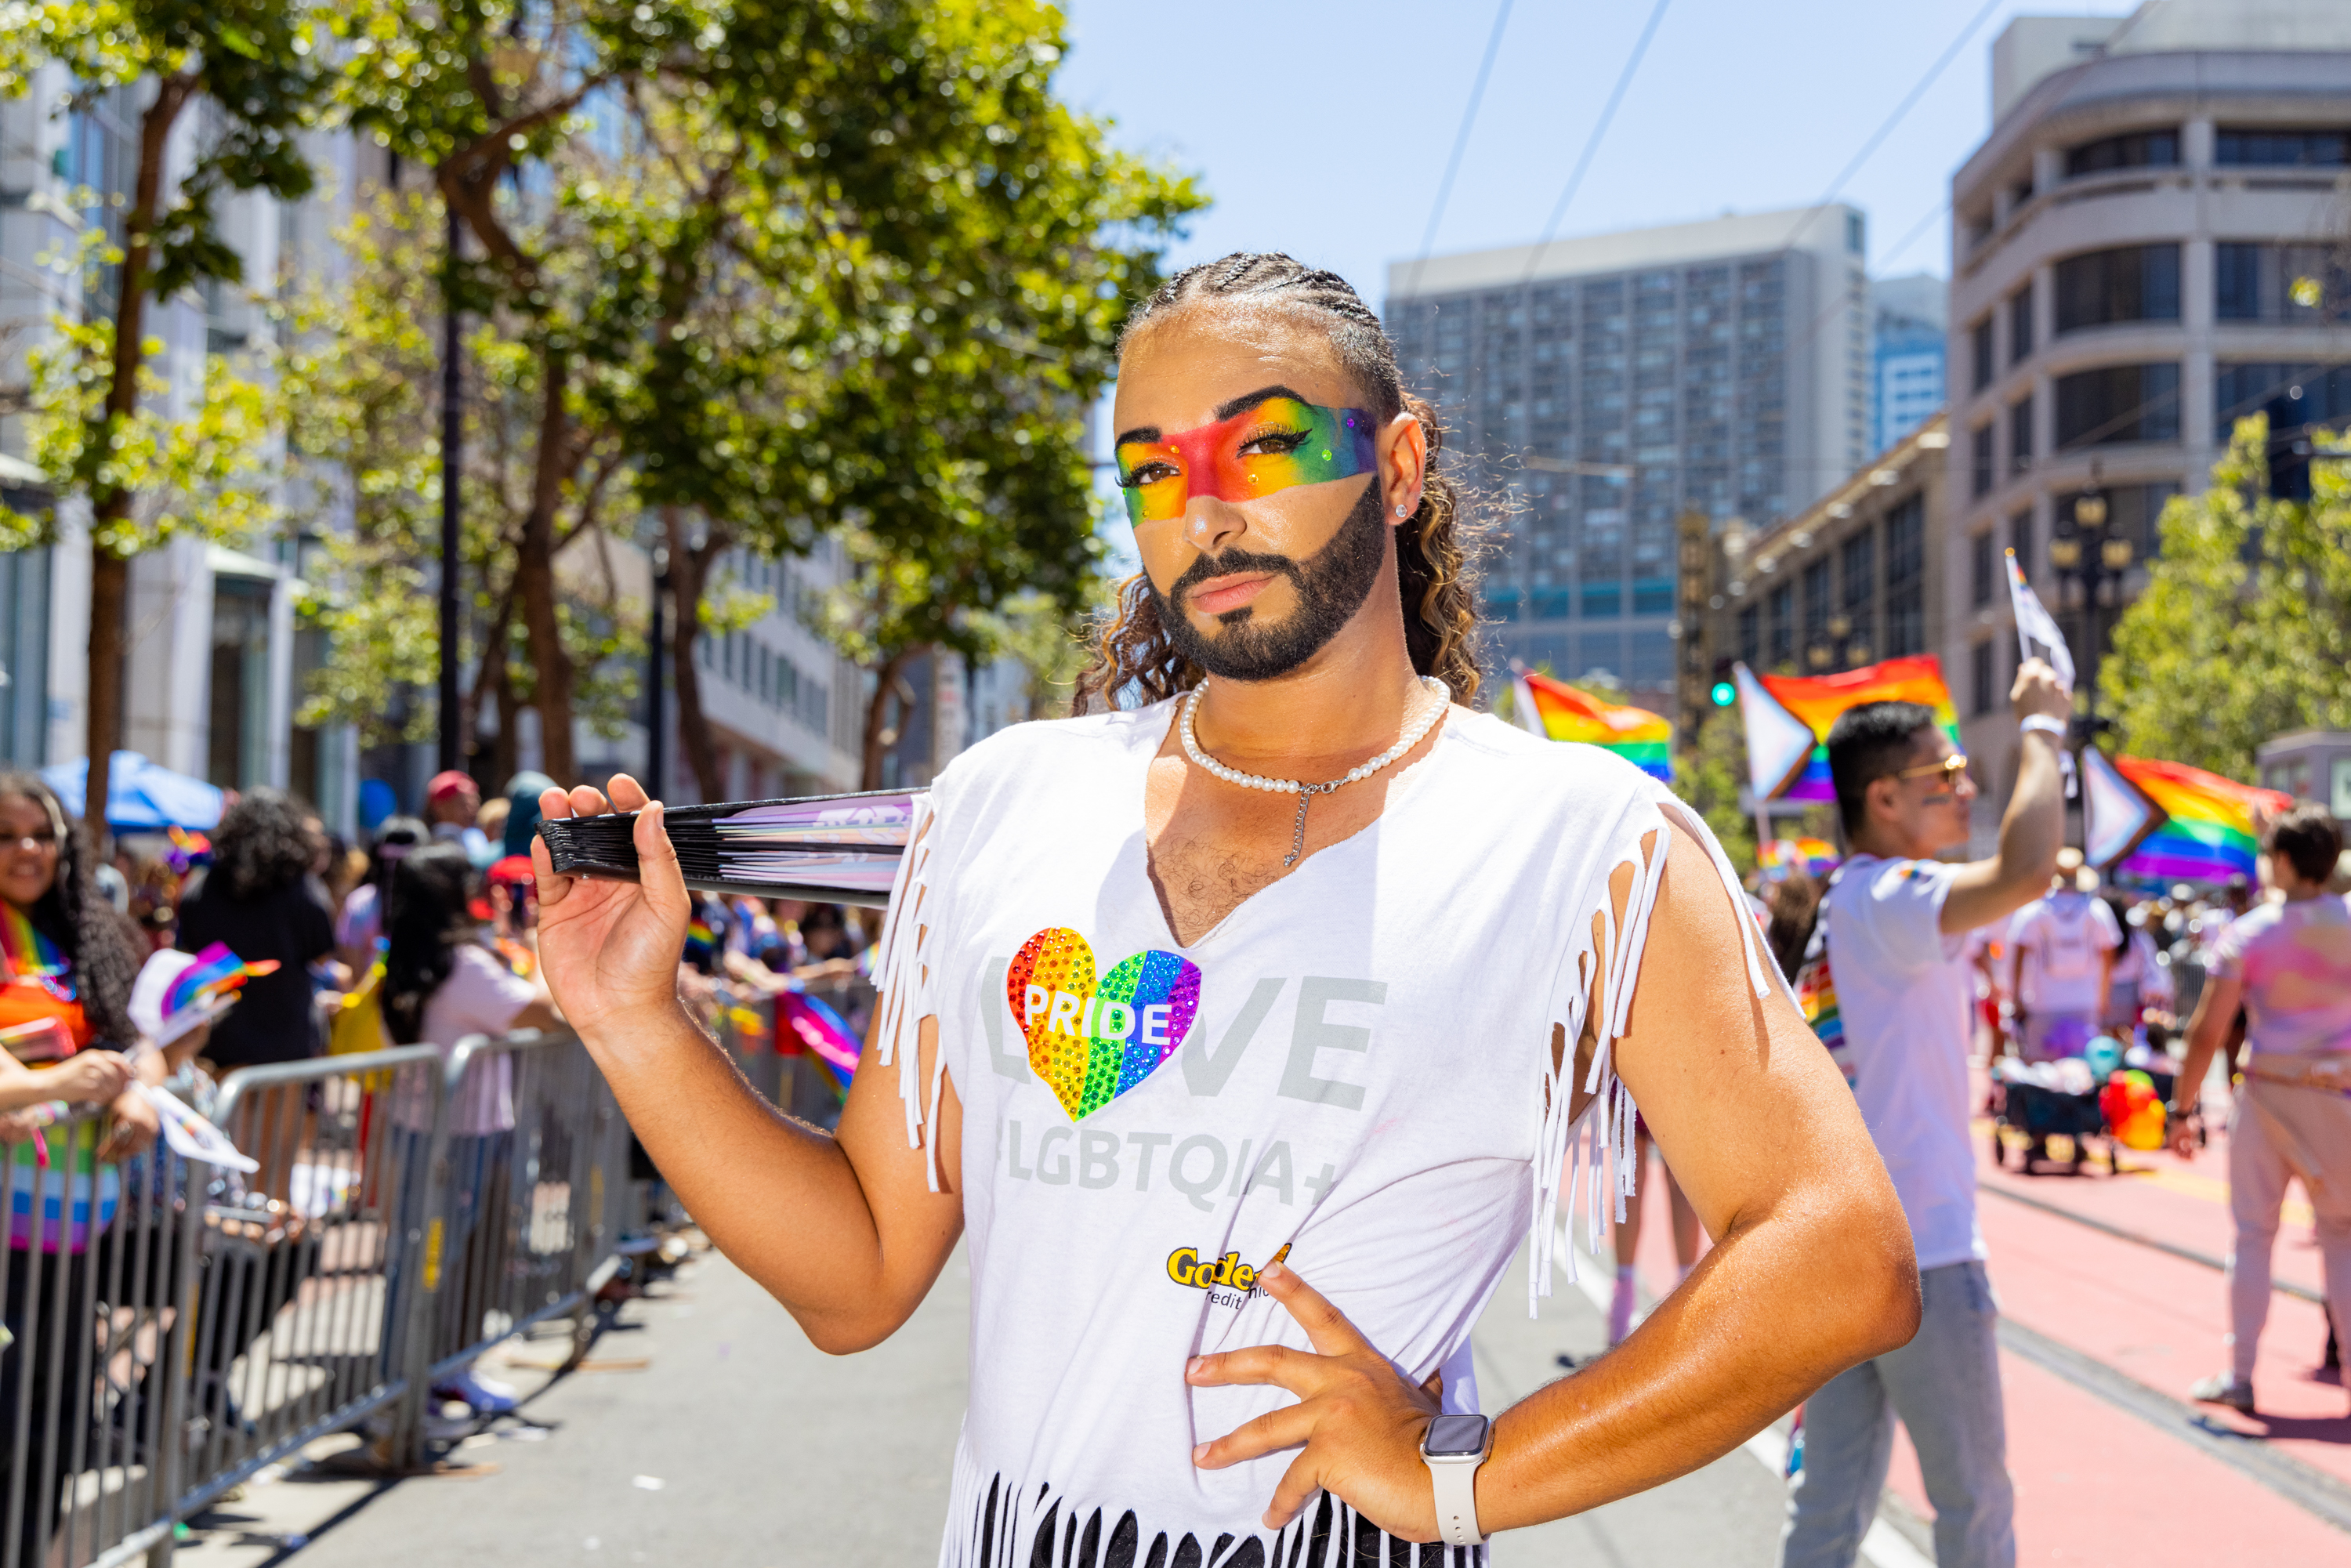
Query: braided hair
77,917
1437,567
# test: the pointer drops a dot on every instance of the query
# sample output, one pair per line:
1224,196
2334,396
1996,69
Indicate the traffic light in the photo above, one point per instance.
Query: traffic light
1724,694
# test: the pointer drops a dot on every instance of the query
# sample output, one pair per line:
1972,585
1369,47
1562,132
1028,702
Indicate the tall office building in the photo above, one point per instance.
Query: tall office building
1612,384
1908,317
2150,245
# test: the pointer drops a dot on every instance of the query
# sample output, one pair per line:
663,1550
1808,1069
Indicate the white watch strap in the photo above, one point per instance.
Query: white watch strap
1456,1483
2043,722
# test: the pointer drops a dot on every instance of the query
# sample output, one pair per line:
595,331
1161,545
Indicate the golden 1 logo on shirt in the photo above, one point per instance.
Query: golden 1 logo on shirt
1227,1279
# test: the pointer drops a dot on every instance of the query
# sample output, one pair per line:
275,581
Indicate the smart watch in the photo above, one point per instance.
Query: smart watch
1453,1448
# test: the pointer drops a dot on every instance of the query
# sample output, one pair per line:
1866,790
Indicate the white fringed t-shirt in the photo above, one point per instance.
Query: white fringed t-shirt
1351,1072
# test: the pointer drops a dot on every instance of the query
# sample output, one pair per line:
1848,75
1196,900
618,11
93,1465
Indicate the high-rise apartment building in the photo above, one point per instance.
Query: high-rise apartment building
1908,317
1611,384
2148,246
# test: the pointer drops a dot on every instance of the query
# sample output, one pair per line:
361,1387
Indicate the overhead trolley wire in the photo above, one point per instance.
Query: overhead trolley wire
1901,111
1460,142
1591,143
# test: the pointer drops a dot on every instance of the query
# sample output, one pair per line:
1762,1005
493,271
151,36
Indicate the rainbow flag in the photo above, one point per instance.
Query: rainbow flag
1813,857
2203,828
1788,718
215,973
821,1031
1557,711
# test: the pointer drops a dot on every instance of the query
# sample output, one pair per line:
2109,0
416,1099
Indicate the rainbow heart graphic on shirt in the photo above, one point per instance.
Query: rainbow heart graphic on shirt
1092,1041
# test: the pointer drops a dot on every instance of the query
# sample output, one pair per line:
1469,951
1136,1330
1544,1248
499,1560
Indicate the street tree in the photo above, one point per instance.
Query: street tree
2244,629
879,270
1707,777
98,430
361,390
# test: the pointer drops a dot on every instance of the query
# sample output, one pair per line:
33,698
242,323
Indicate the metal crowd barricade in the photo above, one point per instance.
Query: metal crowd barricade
177,1325
93,1320
523,1176
777,1066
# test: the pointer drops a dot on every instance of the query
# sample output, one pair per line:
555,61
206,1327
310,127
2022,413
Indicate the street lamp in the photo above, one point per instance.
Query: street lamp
2085,557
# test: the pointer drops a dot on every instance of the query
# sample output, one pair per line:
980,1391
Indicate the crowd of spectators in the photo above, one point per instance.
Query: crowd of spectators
424,933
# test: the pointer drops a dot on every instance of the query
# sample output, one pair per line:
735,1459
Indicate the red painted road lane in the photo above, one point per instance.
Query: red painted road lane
2097,1484
2160,1320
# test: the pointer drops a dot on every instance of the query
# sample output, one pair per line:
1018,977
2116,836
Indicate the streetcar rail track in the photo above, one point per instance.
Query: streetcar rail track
2125,1233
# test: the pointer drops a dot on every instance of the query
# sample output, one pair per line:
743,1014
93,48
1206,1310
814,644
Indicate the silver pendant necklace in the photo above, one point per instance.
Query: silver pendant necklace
1305,793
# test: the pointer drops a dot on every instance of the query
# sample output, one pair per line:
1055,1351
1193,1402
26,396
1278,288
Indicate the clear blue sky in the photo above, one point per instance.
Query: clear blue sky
1323,130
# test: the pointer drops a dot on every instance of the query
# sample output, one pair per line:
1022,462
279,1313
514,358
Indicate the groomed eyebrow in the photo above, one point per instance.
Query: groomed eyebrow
1224,411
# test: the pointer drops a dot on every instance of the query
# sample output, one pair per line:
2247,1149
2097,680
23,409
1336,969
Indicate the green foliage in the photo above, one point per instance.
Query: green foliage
361,388
253,58
363,426
208,473
1048,642
2244,630
801,265
1707,779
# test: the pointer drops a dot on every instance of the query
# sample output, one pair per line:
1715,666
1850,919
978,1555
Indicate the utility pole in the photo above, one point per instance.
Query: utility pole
452,438
656,707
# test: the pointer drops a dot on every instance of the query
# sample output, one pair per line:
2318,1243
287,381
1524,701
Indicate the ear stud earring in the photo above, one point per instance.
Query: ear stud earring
1403,511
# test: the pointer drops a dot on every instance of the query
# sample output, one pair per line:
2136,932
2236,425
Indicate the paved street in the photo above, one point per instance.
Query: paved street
767,1453
704,1429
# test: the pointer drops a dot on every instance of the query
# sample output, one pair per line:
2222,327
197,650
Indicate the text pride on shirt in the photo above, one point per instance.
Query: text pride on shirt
1091,1042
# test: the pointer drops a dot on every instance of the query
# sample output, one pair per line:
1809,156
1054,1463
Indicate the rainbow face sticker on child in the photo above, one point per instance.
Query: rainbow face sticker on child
1275,443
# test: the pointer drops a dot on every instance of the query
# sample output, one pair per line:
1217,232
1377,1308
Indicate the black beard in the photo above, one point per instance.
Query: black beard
1331,586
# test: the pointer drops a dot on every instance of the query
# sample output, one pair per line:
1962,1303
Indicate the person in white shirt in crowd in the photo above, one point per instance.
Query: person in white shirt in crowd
2063,948
2213,922
2137,977
2287,964
1896,925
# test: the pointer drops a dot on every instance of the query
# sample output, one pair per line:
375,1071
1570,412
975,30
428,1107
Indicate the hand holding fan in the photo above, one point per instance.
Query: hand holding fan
823,849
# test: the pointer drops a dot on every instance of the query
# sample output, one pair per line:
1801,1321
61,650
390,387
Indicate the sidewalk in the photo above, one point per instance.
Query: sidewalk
704,1430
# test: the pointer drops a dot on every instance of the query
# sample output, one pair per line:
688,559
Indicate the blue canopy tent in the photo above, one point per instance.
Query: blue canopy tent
142,797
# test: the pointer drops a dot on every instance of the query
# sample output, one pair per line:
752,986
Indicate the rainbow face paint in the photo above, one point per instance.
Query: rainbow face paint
1268,447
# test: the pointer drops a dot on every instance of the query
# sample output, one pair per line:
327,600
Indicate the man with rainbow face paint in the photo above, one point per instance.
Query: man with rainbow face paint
1246,1024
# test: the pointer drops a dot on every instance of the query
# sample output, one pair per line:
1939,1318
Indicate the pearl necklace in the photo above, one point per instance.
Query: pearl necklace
1412,736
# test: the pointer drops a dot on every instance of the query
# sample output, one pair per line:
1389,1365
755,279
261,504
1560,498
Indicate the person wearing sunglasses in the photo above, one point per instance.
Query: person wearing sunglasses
1245,1019
1895,925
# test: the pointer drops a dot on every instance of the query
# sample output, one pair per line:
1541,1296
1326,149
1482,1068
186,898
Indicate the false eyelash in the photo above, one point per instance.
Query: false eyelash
1294,438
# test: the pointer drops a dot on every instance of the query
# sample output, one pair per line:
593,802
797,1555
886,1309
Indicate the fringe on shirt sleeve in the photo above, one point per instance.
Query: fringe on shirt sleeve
1596,1148
904,977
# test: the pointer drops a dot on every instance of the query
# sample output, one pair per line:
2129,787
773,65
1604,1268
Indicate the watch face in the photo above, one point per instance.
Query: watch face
1454,1436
